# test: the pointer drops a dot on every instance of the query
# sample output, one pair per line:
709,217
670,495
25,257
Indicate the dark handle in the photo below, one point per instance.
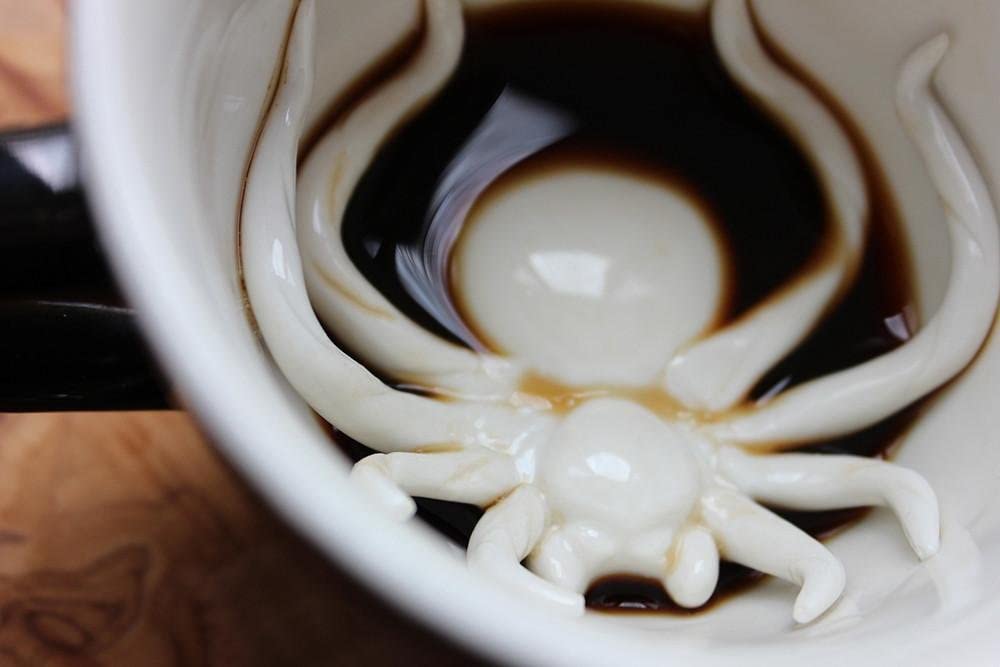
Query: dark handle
67,339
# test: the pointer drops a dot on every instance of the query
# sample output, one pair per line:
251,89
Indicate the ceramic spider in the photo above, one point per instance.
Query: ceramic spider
657,464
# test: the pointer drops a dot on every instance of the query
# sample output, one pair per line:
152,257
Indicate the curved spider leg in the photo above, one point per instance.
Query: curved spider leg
718,371
557,559
863,395
341,390
352,307
748,534
477,475
693,570
507,533
822,482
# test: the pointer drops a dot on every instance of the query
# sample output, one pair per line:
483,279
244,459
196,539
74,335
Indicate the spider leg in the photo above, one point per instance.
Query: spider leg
557,559
478,476
748,534
340,389
693,570
507,533
718,371
863,395
822,482
352,307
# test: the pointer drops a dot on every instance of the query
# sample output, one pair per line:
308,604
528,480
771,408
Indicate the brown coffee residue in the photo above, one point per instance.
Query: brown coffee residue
382,68
272,90
885,228
341,289
535,389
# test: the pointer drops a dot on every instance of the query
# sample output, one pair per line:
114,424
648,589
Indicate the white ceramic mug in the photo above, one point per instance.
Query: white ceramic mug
169,98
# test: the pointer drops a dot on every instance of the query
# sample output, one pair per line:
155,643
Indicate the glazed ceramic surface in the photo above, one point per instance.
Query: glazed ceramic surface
189,116
605,285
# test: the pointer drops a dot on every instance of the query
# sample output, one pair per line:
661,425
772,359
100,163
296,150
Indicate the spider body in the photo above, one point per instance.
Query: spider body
624,482
613,485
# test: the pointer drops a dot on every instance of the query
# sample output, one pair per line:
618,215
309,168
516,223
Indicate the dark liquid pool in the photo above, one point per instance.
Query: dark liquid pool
632,87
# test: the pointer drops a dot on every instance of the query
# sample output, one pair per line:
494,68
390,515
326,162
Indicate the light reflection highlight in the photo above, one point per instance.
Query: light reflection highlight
574,273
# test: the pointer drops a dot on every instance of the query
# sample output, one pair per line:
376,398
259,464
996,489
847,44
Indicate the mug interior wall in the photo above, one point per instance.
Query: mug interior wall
196,120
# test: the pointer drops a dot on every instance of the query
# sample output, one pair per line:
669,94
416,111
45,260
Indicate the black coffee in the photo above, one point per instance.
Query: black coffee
645,90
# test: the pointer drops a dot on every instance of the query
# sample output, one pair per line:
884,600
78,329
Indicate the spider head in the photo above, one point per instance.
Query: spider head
616,463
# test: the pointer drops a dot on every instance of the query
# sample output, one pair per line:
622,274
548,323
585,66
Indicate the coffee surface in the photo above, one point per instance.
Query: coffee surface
642,90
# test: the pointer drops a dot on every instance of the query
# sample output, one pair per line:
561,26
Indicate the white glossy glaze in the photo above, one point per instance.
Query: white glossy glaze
610,486
338,387
864,394
718,372
168,97
366,320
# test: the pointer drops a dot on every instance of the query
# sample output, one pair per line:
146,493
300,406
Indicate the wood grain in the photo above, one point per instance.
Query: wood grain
124,540
32,65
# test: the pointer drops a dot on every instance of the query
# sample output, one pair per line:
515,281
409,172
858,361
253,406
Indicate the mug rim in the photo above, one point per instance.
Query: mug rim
467,612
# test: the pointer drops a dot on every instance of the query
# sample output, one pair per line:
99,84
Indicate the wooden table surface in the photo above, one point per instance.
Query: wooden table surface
125,540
